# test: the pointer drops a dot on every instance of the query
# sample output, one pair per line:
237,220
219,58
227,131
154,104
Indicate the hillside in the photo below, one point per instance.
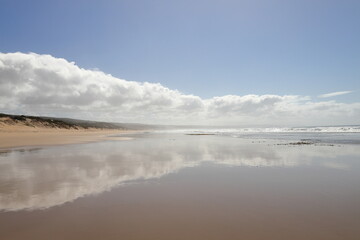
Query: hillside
63,123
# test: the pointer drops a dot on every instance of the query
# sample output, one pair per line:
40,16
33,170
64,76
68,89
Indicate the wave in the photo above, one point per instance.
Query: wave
334,129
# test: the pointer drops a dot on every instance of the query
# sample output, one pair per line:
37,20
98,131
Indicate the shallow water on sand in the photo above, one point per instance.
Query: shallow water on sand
176,186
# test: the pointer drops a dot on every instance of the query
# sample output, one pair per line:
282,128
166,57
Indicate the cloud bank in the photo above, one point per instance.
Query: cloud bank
45,85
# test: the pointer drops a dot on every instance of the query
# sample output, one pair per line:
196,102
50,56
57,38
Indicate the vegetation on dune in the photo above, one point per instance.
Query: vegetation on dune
49,122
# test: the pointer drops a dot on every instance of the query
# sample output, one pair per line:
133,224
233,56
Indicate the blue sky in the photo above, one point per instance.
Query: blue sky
263,62
207,48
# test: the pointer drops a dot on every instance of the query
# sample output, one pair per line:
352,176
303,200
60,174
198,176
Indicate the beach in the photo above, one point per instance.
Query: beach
180,120
22,137
181,185
30,133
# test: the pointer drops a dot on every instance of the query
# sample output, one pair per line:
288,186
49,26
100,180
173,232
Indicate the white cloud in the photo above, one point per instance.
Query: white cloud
334,94
45,85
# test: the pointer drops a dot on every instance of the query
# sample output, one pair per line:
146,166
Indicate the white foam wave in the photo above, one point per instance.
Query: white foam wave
337,129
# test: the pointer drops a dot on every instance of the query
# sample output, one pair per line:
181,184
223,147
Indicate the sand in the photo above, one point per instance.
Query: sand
21,136
176,186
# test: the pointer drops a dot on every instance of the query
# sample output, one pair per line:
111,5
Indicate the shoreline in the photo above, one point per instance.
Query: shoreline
14,137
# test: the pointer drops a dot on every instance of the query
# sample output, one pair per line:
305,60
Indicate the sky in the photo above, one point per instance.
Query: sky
198,62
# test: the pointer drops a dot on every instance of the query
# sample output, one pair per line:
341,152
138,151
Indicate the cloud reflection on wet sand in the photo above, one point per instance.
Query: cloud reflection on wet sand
53,176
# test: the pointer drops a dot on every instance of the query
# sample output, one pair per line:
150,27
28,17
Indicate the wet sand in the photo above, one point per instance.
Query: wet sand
181,187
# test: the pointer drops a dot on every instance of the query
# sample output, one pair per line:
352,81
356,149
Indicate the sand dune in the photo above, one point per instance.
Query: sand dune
19,131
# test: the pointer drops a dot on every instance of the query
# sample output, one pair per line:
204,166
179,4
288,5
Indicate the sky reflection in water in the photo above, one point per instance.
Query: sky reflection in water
42,178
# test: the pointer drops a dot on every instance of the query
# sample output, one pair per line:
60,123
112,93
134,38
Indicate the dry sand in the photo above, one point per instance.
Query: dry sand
20,135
